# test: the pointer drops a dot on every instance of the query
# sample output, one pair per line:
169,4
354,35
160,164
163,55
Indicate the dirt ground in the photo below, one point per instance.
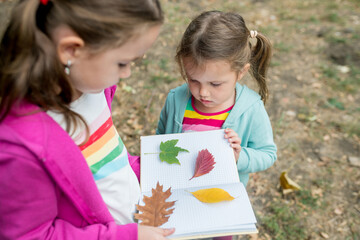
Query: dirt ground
314,108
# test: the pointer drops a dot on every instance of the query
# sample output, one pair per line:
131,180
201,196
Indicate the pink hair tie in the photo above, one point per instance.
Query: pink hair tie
44,2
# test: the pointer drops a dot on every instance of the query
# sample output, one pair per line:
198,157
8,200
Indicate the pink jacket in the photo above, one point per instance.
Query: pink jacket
46,188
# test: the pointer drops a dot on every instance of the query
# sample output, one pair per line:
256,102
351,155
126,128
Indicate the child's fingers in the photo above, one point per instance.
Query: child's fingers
229,133
152,233
235,140
167,231
236,147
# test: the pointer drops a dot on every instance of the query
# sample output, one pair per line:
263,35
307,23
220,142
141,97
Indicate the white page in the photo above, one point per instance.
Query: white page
192,217
176,176
244,229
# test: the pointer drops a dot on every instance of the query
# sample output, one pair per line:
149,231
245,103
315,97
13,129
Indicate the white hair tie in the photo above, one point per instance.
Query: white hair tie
253,33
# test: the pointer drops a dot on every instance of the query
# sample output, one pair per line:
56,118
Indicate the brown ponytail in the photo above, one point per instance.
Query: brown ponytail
260,60
30,68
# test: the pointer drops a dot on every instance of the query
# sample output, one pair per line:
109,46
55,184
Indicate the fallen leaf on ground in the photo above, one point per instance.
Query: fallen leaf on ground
287,184
204,163
324,235
338,211
155,212
212,195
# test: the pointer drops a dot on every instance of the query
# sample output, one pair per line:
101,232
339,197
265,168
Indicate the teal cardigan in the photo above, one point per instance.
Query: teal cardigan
248,119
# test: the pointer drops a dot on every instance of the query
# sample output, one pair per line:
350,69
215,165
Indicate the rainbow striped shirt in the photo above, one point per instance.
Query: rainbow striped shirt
105,155
194,120
104,151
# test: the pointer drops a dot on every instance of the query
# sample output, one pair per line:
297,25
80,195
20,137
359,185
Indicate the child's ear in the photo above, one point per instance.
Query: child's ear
68,45
243,71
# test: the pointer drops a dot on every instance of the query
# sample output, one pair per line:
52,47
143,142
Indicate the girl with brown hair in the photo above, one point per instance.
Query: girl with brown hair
215,53
64,171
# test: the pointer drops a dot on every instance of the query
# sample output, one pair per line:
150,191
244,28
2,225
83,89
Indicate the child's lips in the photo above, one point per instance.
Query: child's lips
205,101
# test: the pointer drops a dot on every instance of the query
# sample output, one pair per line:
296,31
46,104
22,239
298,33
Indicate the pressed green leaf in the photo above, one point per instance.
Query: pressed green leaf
169,151
169,158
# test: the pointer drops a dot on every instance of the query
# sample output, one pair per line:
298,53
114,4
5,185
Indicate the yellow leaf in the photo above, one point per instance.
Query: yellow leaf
212,195
287,184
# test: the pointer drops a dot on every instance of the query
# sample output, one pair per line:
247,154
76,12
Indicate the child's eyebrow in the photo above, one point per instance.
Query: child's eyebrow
137,59
133,59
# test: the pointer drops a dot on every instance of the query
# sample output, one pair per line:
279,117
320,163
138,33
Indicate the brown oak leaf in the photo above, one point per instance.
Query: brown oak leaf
155,212
204,163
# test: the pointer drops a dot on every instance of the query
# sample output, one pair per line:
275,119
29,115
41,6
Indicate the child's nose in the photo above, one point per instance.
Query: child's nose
203,91
126,72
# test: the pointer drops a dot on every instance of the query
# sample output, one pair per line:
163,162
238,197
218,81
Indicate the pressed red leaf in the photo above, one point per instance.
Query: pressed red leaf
204,163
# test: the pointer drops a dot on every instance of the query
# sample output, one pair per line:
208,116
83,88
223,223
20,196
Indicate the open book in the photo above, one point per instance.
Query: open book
192,218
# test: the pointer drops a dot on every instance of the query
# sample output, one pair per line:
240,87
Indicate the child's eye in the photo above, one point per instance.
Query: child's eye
122,65
215,84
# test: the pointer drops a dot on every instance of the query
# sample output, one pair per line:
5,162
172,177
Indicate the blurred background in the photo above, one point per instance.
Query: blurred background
314,108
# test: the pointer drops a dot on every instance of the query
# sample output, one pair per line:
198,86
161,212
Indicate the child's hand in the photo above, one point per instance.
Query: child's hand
153,233
234,141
